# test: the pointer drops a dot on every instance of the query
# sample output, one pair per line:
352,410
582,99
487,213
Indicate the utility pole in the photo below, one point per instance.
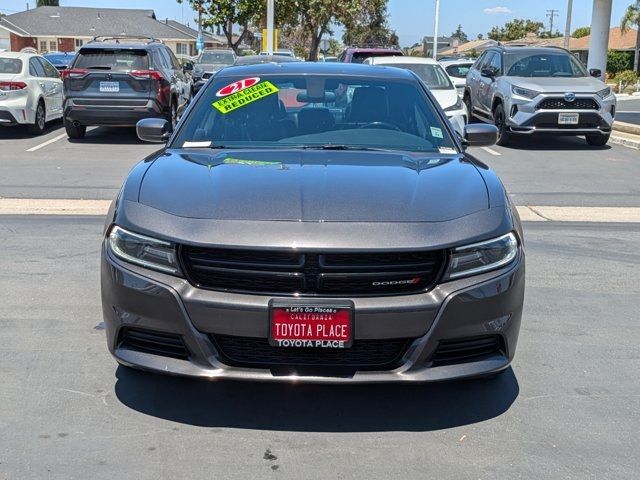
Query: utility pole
551,14
435,30
567,26
270,27
636,56
200,39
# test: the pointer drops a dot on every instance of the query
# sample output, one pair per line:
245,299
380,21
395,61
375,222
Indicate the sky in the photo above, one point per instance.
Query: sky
412,19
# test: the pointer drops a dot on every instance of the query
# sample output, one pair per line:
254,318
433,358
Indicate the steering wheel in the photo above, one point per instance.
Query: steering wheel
384,125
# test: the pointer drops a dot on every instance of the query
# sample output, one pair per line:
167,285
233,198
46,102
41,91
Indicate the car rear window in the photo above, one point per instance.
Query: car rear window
10,65
118,60
225,58
302,111
431,74
359,57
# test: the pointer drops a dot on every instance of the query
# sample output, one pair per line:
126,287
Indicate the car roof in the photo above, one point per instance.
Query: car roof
457,61
403,60
373,49
318,68
530,50
19,55
262,59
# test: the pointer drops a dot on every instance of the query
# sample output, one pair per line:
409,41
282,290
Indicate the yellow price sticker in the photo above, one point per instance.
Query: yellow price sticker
244,97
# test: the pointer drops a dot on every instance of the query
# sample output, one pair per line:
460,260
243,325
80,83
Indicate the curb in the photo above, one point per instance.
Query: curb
624,127
625,142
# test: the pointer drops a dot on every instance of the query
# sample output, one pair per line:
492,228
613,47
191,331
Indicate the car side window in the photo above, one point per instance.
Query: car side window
487,61
159,60
166,59
175,64
35,68
49,70
496,64
478,63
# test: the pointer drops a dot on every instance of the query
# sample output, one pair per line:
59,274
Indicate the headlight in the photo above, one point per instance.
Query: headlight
604,93
524,92
144,251
482,257
455,106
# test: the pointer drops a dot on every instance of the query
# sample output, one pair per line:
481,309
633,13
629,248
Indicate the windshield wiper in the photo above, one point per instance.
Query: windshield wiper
337,146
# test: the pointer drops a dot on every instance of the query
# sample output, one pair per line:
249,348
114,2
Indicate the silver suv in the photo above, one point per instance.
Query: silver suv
539,90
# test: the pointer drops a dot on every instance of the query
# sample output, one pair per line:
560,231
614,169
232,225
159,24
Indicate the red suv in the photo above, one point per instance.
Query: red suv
360,54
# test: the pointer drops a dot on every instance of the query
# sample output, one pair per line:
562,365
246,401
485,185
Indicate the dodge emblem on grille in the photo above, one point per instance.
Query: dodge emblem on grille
570,97
387,283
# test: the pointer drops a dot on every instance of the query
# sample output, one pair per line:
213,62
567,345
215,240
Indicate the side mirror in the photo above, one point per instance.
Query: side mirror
480,135
187,67
153,130
487,72
595,72
198,85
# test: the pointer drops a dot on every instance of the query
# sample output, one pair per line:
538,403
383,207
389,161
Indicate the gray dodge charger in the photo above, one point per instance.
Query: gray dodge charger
313,222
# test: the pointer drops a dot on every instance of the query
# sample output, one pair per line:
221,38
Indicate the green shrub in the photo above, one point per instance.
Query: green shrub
627,78
619,61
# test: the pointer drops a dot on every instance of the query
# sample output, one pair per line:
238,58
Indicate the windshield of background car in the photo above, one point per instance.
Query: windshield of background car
359,57
58,59
431,74
459,70
301,111
112,59
10,65
225,58
527,64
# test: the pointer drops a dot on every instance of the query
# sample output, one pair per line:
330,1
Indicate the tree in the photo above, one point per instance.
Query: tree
460,35
515,29
632,18
47,3
368,24
581,32
224,14
618,62
480,37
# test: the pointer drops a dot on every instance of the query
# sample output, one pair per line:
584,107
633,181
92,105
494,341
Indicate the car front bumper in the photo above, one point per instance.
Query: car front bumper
485,305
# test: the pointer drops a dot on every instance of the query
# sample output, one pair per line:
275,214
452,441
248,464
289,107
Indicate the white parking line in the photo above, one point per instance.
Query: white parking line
48,142
491,151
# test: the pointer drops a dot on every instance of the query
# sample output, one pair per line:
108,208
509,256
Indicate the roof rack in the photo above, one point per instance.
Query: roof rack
118,38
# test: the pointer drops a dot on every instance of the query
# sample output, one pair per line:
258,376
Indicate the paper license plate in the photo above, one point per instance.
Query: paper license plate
311,326
109,86
568,118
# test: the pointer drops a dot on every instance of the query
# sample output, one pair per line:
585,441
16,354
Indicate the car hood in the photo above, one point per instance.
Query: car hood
313,186
446,98
559,85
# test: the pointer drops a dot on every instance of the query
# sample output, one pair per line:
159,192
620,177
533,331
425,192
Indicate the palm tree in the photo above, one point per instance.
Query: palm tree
47,3
632,18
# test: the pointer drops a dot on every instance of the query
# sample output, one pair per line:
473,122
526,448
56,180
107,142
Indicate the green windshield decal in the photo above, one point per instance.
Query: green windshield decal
253,163
244,97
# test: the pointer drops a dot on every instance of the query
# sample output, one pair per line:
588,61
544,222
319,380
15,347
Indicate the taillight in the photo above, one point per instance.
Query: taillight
74,73
152,74
12,86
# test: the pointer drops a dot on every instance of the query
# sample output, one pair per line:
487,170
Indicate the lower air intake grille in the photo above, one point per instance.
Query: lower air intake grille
468,349
364,354
158,343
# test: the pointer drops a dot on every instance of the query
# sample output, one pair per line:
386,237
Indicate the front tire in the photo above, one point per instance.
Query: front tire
597,139
74,130
172,115
37,127
467,101
500,121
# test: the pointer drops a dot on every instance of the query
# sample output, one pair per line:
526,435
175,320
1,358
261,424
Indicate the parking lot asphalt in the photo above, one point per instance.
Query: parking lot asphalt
568,408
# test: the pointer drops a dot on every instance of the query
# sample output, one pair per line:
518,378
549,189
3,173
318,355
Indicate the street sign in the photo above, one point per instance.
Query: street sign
200,43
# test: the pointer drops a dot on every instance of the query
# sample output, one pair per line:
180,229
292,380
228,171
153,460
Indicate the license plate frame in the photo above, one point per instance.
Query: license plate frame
321,308
109,87
568,118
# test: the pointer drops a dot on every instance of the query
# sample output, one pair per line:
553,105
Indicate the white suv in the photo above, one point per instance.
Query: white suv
539,90
30,91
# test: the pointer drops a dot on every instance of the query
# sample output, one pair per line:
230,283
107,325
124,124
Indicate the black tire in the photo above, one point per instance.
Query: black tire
37,127
172,116
467,101
597,139
500,121
74,130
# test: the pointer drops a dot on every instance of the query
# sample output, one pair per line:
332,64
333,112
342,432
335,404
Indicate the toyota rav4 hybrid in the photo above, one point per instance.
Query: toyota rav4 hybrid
539,90
313,222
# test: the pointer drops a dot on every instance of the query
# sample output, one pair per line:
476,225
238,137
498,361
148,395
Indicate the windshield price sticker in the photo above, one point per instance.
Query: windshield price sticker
436,132
238,86
244,97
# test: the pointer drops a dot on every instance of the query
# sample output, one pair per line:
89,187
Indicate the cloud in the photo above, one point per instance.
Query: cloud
497,10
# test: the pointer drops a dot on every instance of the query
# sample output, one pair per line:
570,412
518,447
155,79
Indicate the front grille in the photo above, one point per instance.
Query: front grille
467,349
363,354
311,273
559,103
158,343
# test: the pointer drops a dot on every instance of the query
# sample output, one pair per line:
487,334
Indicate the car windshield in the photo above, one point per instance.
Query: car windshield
225,58
10,65
113,59
459,70
527,64
341,112
431,74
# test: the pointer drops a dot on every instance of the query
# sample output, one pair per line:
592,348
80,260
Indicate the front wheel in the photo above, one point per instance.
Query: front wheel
467,101
500,120
74,130
597,139
37,127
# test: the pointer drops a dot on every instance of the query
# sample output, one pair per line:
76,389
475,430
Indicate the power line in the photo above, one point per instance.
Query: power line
551,14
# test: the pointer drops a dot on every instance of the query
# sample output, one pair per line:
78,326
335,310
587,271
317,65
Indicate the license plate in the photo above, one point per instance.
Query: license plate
311,326
109,86
568,118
